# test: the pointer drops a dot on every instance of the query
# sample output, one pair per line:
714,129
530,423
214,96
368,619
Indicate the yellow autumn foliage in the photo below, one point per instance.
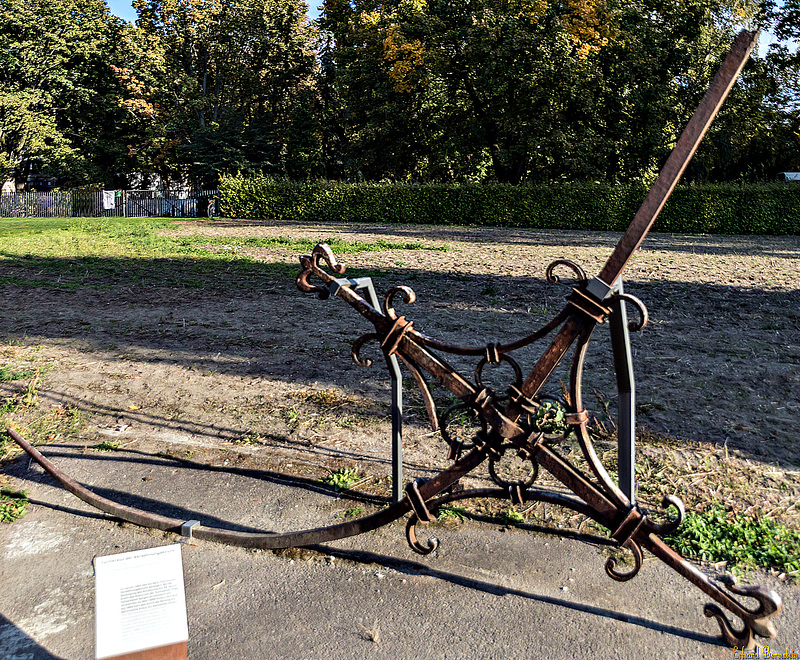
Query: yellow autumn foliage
405,58
533,10
587,26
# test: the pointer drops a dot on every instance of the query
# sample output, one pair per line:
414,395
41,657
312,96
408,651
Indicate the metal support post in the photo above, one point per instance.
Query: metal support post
626,402
397,386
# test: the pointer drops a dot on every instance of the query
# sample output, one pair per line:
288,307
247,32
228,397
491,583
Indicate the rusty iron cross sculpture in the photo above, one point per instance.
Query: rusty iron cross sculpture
508,420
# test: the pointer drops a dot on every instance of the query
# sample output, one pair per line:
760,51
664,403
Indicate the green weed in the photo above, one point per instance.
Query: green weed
453,513
108,445
551,418
342,479
9,373
36,427
13,504
351,513
513,517
738,539
249,438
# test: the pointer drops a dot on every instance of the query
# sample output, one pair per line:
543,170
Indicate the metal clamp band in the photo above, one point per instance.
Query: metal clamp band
628,527
188,526
395,335
417,503
588,305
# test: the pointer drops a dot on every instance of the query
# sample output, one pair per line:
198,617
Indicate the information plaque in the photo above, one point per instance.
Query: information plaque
141,605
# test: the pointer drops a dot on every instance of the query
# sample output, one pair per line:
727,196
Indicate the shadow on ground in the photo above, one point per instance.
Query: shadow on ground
15,644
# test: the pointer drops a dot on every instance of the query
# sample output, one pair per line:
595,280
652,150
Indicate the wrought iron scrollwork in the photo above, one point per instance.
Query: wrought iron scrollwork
458,444
523,482
420,514
667,528
552,278
505,421
408,297
414,543
644,316
355,351
756,622
498,358
311,266
620,576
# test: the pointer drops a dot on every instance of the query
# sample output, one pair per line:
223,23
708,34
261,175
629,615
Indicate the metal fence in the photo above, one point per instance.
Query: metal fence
189,204
35,205
123,203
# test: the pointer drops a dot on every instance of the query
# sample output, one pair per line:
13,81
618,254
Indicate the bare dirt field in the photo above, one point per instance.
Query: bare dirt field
226,364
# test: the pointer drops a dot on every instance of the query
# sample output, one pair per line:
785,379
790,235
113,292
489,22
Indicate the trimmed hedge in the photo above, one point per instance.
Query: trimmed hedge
708,209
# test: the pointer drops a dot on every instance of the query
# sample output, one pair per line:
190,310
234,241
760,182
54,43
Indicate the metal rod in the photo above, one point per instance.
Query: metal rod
681,155
397,429
626,393
397,387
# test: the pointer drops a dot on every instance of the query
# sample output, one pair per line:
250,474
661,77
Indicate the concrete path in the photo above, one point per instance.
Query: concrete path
487,592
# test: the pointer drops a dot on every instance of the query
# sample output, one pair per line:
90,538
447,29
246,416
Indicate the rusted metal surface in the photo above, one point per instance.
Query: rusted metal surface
509,420
265,540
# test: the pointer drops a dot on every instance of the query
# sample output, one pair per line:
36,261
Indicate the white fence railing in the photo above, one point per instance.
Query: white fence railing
125,203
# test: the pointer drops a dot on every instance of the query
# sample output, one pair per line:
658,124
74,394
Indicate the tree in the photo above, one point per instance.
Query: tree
56,92
522,89
217,84
783,61
443,86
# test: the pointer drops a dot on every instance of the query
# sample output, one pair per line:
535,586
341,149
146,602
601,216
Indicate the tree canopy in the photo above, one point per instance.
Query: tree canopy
56,88
405,90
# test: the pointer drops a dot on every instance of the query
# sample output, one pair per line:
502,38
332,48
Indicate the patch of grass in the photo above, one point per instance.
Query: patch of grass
329,397
342,479
331,407
13,504
23,226
351,513
453,513
108,445
68,253
27,395
249,438
338,245
705,474
103,252
715,535
30,392
38,428
384,484
513,517
161,268
10,373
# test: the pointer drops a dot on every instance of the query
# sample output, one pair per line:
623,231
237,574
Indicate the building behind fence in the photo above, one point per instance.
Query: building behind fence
122,203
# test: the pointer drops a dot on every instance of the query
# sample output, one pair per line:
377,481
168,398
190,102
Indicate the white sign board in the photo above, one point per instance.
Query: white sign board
140,601
109,199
